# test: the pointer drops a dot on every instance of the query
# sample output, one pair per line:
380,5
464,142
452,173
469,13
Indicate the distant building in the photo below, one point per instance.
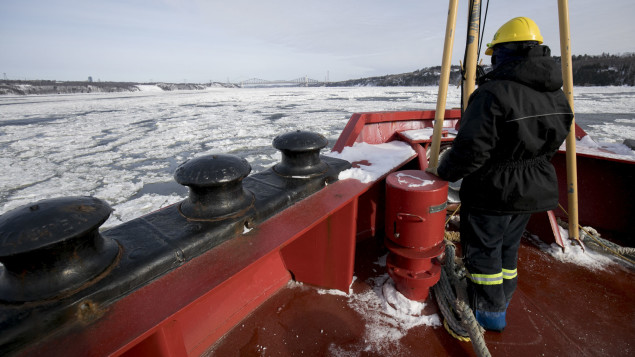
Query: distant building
90,79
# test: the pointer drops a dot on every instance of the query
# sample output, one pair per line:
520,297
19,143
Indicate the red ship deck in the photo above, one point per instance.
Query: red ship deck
559,309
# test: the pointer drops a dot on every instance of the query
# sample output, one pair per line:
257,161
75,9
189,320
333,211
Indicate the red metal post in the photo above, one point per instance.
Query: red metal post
415,223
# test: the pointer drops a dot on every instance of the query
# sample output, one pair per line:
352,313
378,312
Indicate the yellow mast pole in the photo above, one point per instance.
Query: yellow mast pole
567,77
471,52
444,81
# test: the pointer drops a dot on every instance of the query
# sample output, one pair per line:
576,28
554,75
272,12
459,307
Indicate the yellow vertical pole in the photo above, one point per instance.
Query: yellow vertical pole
471,52
444,82
567,77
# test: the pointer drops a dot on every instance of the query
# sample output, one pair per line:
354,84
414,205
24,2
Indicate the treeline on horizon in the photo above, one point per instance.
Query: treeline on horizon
596,70
603,70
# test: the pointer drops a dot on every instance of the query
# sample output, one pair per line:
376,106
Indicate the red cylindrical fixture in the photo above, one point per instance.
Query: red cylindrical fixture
415,223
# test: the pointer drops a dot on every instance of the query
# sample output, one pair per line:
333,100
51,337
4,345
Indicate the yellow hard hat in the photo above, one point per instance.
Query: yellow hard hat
516,29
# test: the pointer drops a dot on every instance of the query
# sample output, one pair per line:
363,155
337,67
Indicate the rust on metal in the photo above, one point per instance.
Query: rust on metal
89,311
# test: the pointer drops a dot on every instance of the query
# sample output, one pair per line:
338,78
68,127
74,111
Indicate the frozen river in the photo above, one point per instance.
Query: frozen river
124,147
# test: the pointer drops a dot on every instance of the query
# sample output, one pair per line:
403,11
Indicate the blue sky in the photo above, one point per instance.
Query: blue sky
220,40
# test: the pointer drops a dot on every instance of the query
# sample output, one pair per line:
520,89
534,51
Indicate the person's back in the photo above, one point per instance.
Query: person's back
520,116
513,124
529,89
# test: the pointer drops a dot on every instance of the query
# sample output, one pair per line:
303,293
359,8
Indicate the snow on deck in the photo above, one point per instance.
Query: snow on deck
425,133
574,254
373,161
387,313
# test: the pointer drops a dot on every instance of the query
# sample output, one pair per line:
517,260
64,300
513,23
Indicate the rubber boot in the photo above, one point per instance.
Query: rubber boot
491,321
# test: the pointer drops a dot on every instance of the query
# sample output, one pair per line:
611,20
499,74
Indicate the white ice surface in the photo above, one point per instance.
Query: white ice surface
125,147
603,99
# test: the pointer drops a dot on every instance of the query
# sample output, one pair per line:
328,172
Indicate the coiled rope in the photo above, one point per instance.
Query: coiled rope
451,296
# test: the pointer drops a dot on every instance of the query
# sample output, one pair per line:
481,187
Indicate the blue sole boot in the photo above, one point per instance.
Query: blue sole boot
492,321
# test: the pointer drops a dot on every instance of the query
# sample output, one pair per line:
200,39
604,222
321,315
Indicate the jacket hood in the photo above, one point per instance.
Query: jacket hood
537,70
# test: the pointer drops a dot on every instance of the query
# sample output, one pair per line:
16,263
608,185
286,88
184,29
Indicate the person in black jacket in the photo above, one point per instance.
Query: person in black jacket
513,125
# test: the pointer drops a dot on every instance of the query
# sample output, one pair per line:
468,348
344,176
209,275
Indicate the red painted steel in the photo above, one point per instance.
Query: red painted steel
415,285
606,200
370,217
421,146
410,195
164,341
325,254
579,132
415,225
381,127
413,259
545,226
422,156
187,310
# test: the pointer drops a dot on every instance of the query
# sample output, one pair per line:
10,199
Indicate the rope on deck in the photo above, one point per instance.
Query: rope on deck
625,253
459,318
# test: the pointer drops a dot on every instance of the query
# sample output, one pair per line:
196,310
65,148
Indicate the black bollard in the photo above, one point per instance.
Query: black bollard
52,248
300,154
216,190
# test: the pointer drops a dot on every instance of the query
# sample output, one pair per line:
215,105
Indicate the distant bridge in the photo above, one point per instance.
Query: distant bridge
302,81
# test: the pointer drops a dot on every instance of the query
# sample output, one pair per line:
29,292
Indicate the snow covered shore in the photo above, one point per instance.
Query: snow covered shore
55,87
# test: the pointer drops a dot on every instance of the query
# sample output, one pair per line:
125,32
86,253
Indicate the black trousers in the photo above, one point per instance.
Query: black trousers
490,253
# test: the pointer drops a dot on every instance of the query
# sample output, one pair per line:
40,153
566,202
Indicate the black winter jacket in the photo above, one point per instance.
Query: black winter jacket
513,125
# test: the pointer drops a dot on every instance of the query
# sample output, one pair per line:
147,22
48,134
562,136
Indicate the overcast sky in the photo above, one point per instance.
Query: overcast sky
220,40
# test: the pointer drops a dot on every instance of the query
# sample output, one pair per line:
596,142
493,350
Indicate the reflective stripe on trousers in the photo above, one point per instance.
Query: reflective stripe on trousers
493,279
490,249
